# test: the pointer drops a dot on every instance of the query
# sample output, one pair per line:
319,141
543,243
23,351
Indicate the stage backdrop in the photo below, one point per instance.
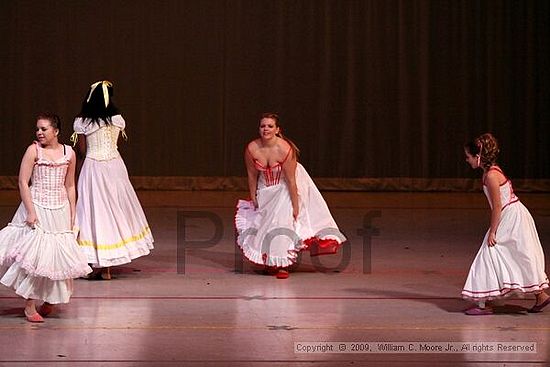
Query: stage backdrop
377,94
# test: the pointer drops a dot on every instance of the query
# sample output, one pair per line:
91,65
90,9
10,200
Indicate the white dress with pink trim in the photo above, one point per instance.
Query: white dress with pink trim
516,263
113,229
269,235
41,263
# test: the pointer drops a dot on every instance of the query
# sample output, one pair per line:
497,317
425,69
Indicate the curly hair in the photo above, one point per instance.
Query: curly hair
486,146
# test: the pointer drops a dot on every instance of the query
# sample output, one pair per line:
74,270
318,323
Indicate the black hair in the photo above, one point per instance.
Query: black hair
93,105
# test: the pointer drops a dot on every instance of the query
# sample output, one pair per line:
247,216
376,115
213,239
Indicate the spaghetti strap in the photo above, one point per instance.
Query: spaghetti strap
67,152
286,157
38,150
498,169
247,149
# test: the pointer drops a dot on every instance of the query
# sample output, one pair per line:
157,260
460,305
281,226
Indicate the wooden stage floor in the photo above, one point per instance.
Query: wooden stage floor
391,297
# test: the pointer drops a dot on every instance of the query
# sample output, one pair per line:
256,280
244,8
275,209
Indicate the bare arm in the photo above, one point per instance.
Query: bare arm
252,174
80,152
289,168
25,172
70,186
492,181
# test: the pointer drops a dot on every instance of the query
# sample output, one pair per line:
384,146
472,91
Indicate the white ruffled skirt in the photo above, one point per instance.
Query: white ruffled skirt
270,236
514,265
113,229
41,263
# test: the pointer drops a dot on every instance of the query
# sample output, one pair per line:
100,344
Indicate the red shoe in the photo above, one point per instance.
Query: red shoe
282,274
35,317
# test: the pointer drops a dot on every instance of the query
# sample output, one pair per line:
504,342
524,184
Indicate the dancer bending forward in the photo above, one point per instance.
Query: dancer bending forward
286,213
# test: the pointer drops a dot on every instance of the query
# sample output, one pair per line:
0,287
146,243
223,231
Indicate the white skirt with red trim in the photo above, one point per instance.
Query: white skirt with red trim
514,265
269,235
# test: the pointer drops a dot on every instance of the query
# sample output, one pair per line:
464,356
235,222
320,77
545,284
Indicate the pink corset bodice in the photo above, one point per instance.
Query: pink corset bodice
48,179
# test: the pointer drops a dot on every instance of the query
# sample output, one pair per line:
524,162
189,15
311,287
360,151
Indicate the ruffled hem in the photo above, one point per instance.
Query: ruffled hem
105,258
245,212
506,291
41,253
39,288
32,270
273,261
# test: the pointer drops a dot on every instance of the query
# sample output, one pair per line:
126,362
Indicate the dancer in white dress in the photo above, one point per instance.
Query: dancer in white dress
286,213
511,259
39,256
113,229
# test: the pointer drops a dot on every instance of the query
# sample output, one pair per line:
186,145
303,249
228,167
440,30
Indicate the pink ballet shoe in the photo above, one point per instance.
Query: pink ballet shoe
476,311
35,317
538,308
46,309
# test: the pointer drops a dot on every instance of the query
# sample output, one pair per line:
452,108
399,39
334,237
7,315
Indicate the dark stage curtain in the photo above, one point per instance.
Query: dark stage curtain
367,89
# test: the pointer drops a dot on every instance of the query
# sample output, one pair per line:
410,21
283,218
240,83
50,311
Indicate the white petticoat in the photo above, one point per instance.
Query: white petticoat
40,263
269,235
113,229
514,265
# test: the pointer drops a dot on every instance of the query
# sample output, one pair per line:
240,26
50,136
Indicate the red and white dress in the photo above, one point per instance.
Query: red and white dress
113,229
516,263
41,263
269,235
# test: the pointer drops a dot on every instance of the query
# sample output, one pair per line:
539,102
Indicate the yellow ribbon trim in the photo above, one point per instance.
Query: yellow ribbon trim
74,138
117,245
124,135
104,85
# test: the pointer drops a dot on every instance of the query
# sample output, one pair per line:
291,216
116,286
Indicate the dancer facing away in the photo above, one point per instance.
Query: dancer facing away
286,213
113,229
39,256
511,259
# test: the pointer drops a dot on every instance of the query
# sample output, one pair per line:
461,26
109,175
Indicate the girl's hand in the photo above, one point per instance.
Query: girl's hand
295,213
31,220
492,240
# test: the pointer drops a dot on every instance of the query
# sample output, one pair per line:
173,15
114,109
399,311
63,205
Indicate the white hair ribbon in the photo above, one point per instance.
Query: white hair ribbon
479,155
104,85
